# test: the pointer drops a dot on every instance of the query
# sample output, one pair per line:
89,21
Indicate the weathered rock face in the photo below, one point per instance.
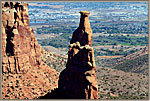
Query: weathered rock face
78,80
24,74
20,49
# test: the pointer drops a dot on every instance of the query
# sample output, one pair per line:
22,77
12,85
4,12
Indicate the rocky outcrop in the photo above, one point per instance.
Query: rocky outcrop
78,80
20,49
24,75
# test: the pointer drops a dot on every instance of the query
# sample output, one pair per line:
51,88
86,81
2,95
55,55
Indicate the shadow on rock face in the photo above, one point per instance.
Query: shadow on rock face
70,87
9,45
73,83
53,95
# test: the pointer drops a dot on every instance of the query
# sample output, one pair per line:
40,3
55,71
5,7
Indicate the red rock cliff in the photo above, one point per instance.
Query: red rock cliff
23,74
20,49
78,80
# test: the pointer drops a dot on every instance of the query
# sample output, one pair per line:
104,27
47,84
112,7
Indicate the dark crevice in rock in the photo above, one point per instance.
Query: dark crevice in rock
6,4
9,45
15,65
16,6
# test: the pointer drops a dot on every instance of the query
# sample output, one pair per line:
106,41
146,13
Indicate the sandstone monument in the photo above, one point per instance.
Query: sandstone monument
78,80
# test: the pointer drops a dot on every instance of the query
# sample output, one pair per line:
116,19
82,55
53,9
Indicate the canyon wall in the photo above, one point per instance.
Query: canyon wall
24,75
20,49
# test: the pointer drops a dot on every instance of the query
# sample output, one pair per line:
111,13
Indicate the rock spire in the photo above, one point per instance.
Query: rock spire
78,80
